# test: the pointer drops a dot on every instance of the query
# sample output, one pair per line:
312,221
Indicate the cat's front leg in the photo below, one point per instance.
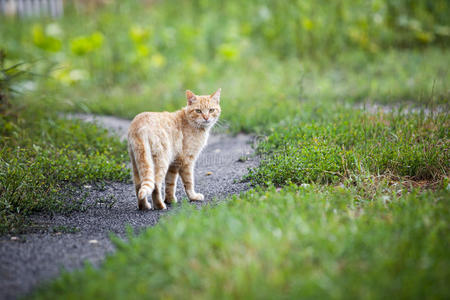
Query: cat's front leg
187,175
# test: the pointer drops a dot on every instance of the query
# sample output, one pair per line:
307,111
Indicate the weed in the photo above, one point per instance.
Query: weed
65,229
106,202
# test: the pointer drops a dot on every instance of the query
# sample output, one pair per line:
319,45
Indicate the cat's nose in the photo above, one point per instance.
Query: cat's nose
205,117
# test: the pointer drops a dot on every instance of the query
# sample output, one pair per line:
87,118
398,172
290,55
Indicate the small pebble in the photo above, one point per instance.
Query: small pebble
217,150
14,238
87,186
93,242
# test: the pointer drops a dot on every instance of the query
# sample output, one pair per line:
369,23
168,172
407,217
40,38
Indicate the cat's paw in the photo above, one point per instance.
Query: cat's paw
171,199
143,204
160,205
197,197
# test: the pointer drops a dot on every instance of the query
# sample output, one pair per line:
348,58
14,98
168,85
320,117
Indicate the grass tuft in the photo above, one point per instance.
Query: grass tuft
346,143
42,160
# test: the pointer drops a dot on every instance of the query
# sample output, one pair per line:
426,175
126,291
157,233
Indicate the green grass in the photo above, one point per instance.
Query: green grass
301,243
330,145
44,158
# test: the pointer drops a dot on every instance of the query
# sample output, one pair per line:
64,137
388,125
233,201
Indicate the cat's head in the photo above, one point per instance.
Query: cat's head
203,111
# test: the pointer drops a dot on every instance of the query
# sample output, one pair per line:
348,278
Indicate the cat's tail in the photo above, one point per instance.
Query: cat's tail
144,164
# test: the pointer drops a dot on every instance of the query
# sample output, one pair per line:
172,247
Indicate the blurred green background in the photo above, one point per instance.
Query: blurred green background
124,57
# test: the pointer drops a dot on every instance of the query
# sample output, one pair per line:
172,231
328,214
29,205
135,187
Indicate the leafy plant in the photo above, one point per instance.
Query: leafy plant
83,45
45,41
10,76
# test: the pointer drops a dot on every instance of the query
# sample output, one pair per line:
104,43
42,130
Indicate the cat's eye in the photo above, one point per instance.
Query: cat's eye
211,110
199,111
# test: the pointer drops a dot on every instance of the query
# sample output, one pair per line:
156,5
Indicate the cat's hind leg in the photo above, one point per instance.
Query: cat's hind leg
136,178
144,163
161,167
171,183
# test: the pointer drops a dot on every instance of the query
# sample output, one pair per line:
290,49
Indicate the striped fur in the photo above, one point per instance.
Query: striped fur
163,145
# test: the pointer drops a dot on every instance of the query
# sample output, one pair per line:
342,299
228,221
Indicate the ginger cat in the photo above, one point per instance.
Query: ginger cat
164,144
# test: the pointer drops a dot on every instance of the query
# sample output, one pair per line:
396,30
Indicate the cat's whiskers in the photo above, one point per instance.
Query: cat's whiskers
221,124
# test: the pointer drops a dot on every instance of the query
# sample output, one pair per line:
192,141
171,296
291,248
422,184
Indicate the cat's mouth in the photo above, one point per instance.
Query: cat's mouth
206,123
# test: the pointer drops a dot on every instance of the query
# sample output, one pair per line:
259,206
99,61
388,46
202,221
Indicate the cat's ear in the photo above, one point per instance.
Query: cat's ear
216,95
190,96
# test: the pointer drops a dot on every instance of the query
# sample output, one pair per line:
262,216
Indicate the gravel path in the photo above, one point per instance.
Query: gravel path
67,241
